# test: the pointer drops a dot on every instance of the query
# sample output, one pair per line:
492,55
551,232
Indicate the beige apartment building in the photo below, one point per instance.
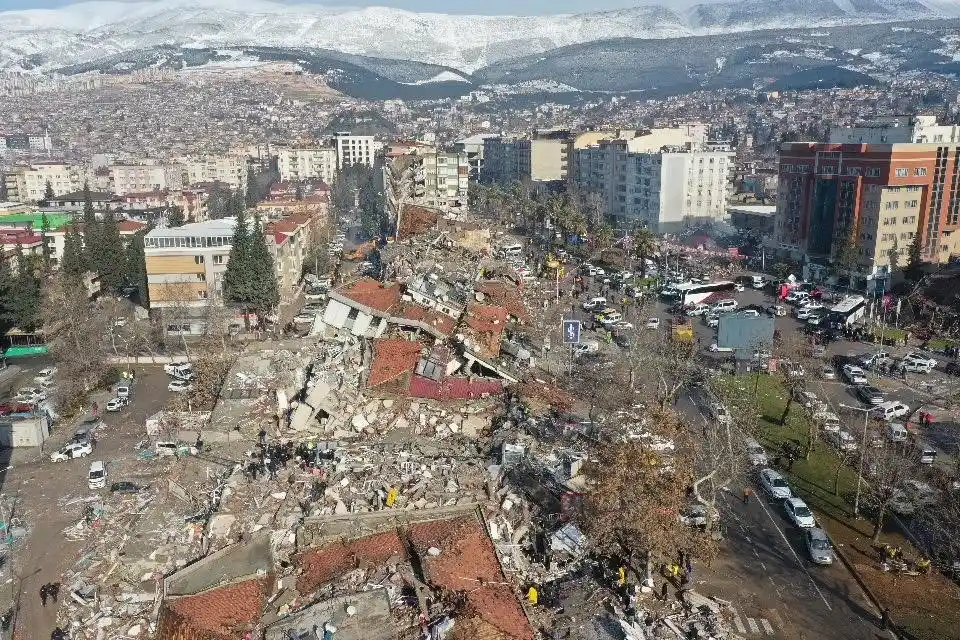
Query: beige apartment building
29,183
889,221
227,168
307,163
143,178
353,149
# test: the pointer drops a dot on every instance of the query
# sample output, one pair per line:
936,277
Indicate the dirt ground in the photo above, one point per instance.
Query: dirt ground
47,498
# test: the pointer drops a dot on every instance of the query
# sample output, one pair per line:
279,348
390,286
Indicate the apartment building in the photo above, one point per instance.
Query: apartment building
306,163
473,147
29,183
499,161
353,149
879,195
663,188
896,130
185,267
542,158
227,168
290,240
442,179
141,178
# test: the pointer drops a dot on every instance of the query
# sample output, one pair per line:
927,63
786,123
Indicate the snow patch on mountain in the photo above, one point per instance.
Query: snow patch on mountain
443,76
88,31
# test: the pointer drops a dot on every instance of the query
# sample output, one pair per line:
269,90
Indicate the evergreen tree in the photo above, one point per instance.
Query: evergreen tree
237,276
73,265
91,233
175,218
135,270
44,231
264,292
24,297
6,292
298,192
48,194
236,205
111,258
252,198
914,268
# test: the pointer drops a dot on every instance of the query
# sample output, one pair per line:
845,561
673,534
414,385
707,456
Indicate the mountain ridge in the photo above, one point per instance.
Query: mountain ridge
40,40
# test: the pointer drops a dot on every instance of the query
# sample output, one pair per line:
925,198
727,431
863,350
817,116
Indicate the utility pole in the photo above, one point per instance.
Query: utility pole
863,449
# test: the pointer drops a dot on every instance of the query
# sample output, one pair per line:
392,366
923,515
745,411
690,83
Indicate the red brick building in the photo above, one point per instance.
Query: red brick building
875,196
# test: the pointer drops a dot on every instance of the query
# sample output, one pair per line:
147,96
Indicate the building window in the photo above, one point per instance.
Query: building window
873,172
853,171
920,171
903,173
198,259
202,295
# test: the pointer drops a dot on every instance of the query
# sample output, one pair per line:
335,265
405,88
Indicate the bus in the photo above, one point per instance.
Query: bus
690,293
848,311
21,344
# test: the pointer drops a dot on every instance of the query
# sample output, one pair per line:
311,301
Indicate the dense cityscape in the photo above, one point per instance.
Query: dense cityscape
303,343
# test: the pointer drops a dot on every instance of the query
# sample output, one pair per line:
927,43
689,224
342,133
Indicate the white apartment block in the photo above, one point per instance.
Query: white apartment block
353,149
29,183
228,168
303,163
896,130
143,178
663,189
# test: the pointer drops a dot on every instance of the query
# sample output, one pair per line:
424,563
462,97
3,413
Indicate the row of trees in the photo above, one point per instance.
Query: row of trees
249,280
358,188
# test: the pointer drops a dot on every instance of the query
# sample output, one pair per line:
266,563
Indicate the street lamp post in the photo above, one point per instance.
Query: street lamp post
863,449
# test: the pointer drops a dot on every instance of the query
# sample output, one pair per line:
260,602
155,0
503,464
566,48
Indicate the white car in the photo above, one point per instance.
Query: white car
713,321
623,325
45,375
827,373
304,318
842,440
696,515
31,394
594,304
71,451
798,512
178,386
653,323
774,484
854,374
739,288
115,404
891,410
750,313
921,358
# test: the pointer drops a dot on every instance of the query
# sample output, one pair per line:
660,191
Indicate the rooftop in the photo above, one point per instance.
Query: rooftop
370,293
221,227
392,359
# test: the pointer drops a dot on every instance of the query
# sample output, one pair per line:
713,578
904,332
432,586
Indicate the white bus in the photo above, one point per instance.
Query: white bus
690,293
848,311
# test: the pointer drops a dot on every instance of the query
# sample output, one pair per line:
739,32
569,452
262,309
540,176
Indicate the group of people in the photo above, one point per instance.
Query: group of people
49,591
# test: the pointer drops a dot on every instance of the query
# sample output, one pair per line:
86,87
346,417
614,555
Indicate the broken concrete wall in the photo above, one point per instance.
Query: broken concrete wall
227,565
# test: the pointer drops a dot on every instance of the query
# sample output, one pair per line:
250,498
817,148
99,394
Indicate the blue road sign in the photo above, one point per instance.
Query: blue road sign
571,332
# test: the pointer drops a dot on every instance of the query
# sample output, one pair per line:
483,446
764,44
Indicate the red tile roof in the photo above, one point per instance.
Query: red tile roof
333,561
468,564
392,359
223,613
370,293
440,322
453,388
508,297
486,323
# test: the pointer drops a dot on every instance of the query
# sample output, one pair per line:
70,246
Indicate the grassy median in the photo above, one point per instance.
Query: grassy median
923,607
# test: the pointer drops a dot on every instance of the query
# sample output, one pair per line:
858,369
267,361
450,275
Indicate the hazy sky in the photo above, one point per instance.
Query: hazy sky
486,7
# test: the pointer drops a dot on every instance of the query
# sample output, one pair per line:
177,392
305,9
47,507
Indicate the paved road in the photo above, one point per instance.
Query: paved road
775,590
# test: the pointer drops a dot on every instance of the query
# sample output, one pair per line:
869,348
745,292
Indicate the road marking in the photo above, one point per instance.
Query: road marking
753,625
794,552
737,622
766,626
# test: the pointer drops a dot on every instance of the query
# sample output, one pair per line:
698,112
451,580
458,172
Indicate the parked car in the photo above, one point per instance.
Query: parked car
913,496
115,404
774,484
916,366
304,318
872,360
896,432
178,386
71,451
842,440
827,372
799,513
756,454
125,487
123,391
45,375
921,357
713,320
594,303
97,475
695,515
818,546
590,346
891,410
869,394
653,323
854,374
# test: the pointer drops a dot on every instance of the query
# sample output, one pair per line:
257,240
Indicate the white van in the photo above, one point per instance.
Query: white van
97,476
722,306
797,296
698,310
890,410
611,319
758,282
896,432
927,453
511,249
756,454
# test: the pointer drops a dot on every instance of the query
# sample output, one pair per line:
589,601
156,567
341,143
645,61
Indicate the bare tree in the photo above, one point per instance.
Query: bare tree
888,469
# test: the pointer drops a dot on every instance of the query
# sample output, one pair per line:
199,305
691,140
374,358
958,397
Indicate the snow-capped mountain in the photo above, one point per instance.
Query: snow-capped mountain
49,39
